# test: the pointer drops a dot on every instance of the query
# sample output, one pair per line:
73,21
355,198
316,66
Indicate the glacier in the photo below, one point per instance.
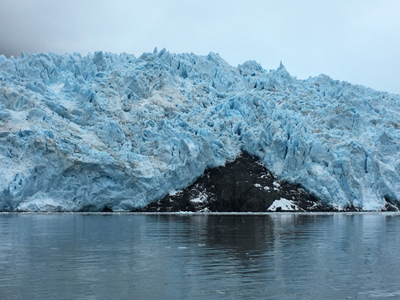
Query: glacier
80,133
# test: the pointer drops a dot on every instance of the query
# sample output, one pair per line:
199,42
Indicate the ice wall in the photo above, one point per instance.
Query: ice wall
82,133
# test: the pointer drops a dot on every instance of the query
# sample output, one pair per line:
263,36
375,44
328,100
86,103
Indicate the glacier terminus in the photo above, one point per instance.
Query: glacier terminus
80,133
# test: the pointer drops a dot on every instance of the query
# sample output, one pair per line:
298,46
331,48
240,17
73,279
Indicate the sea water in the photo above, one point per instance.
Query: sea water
189,256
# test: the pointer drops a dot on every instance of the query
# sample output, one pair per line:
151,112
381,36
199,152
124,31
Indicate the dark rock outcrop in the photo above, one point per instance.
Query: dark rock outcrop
243,185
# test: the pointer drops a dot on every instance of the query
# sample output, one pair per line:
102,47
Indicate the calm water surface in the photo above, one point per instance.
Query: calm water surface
133,256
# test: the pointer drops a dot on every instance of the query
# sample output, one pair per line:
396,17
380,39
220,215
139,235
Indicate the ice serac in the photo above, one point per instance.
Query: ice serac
108,131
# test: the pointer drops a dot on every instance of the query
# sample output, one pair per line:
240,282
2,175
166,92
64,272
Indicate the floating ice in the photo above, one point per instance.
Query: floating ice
116,132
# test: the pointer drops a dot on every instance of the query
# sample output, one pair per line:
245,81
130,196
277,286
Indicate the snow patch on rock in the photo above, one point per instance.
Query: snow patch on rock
283,205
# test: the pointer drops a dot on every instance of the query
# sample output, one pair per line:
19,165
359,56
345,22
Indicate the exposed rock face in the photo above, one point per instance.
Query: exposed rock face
244,185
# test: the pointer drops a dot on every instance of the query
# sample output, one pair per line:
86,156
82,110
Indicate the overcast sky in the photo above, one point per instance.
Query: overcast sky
353,40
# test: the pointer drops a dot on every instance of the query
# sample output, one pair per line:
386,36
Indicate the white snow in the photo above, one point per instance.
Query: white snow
202,197
284,204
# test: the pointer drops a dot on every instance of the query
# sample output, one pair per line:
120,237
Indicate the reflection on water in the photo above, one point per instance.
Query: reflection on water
129,256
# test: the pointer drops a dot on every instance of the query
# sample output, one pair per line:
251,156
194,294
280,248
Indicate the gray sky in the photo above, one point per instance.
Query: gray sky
352,40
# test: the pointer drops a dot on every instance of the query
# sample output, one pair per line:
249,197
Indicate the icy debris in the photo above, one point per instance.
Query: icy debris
174,193
283,205
201,198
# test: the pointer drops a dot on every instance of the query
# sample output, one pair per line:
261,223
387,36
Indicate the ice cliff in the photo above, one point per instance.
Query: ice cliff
82,133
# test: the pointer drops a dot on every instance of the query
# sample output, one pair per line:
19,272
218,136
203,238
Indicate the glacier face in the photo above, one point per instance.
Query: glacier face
82,133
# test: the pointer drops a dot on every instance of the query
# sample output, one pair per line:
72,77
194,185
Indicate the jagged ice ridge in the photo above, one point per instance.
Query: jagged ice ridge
82,133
